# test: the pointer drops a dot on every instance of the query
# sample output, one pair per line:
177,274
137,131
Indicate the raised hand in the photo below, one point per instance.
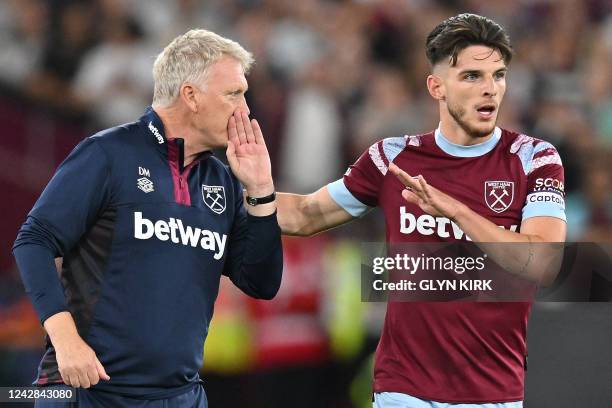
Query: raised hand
248,156
428,198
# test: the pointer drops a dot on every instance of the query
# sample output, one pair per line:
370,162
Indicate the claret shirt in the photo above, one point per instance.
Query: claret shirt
456,352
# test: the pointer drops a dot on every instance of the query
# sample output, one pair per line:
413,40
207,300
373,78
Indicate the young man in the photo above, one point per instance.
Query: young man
147,221
473,178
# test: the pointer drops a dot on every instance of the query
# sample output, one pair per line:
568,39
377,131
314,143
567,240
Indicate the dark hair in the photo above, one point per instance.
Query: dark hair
456,33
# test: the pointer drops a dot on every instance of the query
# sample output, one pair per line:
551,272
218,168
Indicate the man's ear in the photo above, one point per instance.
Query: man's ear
435,86
188,95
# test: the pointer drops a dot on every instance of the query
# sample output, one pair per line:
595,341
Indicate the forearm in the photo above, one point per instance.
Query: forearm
528,255
60,327
306,215
37,266
480,229
293,214
260,271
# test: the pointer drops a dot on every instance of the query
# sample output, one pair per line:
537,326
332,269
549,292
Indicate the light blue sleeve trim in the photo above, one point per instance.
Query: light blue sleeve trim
544,210
343,197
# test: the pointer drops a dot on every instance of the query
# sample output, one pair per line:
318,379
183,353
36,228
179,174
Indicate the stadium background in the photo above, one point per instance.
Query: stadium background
331,77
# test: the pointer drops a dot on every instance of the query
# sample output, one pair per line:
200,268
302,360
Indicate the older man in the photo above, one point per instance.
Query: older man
147,221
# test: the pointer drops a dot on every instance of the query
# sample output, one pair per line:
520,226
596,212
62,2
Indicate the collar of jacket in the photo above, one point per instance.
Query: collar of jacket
154,131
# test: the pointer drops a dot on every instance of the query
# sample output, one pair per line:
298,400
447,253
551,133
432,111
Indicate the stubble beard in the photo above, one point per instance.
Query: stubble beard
458,113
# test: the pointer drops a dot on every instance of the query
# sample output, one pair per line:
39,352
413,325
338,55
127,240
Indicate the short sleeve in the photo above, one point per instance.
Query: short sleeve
545,184
357,191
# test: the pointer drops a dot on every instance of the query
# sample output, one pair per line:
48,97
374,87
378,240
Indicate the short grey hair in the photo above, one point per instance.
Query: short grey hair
187,59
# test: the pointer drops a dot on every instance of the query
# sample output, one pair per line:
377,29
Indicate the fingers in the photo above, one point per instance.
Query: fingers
232,131
93,377
66,379
244,131
230,153
240,127
424,187
86,375
74,381
70,377
259,139
101,371
410,196
404,177
84,380
417,190
248,128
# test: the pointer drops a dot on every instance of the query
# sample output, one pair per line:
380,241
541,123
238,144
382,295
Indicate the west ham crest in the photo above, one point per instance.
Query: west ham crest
499,195
214,198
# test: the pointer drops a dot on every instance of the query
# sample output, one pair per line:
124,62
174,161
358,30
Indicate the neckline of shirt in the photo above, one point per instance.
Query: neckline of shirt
155,127
476,150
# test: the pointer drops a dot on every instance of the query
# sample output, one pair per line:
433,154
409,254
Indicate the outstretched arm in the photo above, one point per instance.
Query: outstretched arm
306,215
538,263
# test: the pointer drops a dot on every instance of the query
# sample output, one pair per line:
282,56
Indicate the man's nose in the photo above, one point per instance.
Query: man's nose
489,87
244,106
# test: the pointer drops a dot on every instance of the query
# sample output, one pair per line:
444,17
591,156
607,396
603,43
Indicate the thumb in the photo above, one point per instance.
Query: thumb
101,371
230,153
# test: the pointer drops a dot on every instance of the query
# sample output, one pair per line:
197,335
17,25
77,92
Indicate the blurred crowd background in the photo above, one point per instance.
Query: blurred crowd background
331,77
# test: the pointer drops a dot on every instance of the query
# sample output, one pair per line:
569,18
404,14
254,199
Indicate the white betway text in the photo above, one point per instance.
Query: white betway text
174,231
426,224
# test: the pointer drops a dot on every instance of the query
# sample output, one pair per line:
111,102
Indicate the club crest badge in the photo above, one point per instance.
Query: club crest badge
214,198
499,195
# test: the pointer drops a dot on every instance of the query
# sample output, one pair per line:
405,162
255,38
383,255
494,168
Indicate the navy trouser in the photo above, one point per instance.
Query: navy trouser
86,398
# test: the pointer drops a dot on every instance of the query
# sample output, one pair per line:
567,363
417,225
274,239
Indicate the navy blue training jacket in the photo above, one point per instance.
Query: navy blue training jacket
145,242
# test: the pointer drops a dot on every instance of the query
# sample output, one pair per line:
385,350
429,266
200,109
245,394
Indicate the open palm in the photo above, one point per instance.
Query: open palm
247,154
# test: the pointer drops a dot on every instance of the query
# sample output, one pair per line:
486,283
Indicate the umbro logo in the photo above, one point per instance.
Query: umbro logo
144,183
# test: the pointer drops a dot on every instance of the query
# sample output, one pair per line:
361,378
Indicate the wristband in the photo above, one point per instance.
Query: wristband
260,200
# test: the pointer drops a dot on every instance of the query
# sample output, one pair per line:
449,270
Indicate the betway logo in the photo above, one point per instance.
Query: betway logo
428,225
156,133
175,231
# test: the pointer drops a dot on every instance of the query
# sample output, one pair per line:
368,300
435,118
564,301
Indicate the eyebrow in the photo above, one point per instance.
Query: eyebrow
239,89
479,71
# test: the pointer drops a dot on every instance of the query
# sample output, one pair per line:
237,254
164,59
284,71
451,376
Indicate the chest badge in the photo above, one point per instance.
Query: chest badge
214,198
499,195
145,185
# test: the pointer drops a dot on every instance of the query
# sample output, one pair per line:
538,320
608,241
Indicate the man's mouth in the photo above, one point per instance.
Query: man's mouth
486,111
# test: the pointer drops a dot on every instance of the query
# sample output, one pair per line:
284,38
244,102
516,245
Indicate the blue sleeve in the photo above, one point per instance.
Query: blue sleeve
255,258
343,197
68,206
